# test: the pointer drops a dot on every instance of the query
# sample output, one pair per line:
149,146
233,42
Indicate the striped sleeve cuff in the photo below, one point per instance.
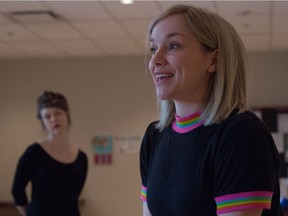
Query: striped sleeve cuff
143,196
245,200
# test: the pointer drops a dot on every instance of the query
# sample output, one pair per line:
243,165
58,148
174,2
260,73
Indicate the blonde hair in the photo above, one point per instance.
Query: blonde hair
227,89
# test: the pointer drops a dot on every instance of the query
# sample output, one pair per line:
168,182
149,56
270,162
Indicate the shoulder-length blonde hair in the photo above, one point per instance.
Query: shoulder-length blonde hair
227,89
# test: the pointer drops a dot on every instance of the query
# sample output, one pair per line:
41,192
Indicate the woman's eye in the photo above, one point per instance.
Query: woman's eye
153,50
173,46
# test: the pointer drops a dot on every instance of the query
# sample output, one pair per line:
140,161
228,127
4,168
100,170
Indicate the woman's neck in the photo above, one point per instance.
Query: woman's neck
184,109
59,140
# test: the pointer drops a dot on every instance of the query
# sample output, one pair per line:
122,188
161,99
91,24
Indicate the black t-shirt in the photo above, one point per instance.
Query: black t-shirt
212,169
56,186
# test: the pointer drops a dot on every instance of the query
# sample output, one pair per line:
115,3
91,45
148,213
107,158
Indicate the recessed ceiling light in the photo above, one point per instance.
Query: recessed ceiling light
127,1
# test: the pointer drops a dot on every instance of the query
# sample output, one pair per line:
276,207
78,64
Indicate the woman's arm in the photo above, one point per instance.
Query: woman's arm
21,210
248,212
146,211
21,179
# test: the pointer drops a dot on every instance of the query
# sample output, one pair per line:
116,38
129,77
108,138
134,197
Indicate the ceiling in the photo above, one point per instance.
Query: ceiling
103,28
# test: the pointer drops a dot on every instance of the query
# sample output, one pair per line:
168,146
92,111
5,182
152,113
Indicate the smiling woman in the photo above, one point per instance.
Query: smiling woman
208,154
56,169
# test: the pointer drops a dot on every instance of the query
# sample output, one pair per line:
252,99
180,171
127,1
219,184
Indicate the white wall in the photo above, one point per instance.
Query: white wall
268,81
107,96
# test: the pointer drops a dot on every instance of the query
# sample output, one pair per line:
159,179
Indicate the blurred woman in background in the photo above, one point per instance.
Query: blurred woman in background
56,169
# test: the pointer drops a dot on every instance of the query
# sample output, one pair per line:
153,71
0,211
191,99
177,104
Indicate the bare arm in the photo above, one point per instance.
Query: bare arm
248,212
21,210
146,211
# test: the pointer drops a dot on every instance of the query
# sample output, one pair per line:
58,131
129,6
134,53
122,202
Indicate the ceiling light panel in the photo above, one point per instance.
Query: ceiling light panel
148,9
32,16
75,10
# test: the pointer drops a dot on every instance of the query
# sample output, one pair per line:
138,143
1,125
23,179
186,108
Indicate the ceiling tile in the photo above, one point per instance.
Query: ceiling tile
104,29
11,6
78,48
120,47
34,49
203,4
15,33
249,24
4,20
78,10
95,27
137,27
54,31
280,6
139,9
242,7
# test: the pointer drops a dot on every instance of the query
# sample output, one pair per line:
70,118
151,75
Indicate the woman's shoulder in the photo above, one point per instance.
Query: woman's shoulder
150,134
82,156
245,119
152,127
82,153
245,126
31,152
32,148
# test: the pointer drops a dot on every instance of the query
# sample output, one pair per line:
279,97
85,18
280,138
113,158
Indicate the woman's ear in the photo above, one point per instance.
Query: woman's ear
214,61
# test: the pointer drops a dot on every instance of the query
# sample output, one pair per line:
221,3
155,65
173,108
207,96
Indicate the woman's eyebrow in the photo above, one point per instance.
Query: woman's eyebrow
169,35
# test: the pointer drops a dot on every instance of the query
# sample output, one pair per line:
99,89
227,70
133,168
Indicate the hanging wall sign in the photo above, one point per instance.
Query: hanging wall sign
127,144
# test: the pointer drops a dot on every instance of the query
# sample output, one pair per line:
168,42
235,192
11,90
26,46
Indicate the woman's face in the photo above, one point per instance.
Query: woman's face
55,120
179,65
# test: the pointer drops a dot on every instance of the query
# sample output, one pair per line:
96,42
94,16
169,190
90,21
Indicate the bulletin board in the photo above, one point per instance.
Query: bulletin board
276,119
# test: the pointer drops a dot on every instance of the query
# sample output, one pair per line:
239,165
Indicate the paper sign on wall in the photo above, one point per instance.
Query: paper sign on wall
102,149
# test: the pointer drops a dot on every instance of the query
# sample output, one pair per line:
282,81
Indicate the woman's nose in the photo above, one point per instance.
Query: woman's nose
53,118
158,58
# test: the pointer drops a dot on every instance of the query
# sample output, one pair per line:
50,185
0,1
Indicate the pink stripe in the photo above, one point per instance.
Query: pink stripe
186,129
243,207
143,197
244,195
182,119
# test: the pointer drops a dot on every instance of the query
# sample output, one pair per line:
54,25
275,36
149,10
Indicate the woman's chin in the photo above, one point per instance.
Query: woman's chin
163,97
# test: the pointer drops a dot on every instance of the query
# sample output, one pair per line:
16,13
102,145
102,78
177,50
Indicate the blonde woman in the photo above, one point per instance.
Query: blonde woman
208,154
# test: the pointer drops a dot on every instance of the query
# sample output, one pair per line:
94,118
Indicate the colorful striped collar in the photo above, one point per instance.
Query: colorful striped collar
188,123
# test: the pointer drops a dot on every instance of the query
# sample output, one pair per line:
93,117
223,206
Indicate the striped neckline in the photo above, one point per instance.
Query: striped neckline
188,123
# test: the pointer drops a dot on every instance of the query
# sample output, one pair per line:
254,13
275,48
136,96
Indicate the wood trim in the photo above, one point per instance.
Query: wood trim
7,204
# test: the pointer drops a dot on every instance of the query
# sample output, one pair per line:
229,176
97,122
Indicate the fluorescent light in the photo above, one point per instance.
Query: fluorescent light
127,1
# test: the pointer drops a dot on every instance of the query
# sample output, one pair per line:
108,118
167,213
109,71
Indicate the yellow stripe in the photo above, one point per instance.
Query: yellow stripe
242,203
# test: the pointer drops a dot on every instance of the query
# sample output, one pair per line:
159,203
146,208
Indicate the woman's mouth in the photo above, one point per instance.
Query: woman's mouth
160,77
56,126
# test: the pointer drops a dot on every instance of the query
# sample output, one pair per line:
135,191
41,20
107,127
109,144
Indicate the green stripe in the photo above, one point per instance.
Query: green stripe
243,200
